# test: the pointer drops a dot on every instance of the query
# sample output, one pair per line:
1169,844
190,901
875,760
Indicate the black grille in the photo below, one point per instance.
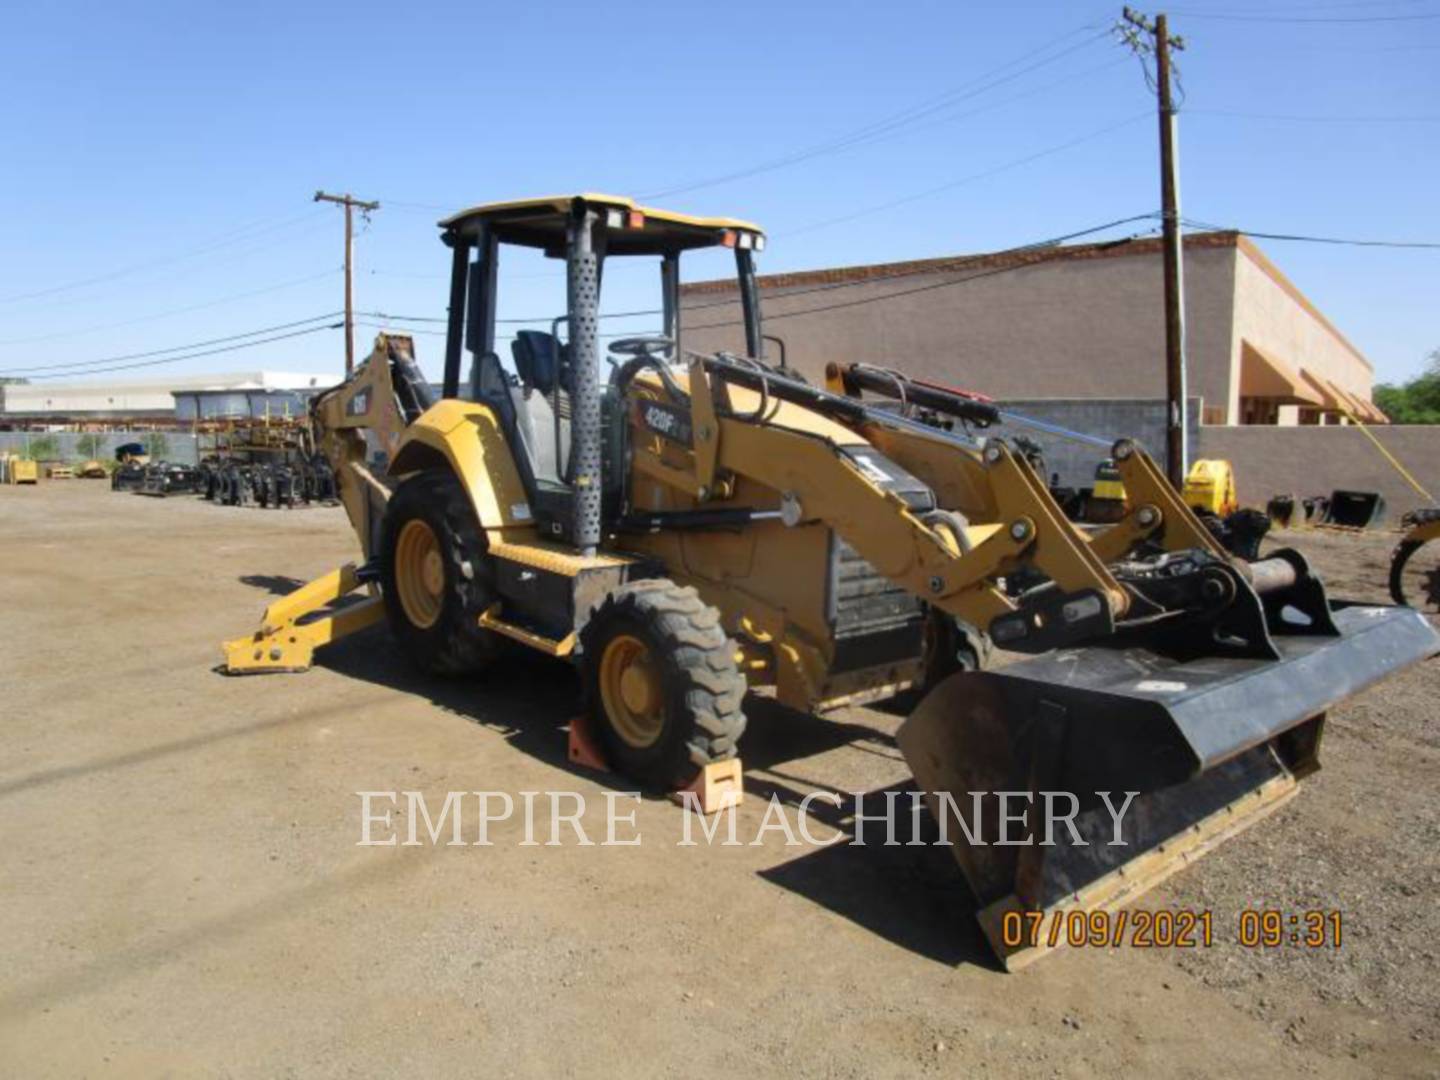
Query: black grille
875,621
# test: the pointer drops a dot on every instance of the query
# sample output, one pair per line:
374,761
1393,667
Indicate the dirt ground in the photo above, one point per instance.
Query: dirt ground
183,894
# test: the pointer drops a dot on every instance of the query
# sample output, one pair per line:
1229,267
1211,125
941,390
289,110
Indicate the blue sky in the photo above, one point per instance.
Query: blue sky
161,158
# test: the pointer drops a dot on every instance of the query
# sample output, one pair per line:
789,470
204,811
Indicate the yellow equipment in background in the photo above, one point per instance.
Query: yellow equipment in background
1211,487
1108,484
22,471
1105,503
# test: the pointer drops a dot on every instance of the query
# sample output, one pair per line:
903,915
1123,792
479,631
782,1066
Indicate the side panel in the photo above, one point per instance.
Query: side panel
467,436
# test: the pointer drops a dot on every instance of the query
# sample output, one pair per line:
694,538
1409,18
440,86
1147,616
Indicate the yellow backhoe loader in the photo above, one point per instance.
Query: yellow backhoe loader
697,523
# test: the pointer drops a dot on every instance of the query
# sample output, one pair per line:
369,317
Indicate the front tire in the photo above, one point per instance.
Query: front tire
661,685
436,576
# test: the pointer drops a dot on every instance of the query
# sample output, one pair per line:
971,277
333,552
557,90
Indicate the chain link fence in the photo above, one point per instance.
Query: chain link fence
73,447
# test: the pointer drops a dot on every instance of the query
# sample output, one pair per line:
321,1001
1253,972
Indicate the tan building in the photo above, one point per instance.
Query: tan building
1077,322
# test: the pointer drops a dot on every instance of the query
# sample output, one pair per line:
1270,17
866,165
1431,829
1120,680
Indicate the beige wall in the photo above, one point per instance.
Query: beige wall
1066,328
1089,324
1315,460
1270,315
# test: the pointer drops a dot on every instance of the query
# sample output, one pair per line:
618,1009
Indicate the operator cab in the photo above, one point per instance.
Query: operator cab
551,403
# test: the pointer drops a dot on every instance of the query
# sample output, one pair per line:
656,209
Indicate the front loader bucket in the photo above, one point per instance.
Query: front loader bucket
1208,745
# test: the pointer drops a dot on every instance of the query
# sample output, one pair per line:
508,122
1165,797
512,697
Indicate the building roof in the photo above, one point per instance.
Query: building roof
128,396
998,260
983,261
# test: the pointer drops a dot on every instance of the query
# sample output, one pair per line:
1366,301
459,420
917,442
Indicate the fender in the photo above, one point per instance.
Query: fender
465,436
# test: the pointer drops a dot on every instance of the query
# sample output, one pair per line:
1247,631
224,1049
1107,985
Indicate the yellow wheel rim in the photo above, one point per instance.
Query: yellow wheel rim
630,691
419,574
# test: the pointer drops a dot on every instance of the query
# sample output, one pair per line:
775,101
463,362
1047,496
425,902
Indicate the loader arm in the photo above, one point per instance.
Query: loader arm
818,480
1014,524
1154,514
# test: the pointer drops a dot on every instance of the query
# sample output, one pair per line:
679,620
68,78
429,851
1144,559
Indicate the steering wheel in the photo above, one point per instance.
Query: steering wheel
641,346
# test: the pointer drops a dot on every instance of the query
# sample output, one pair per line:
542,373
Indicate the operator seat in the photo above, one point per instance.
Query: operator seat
544,371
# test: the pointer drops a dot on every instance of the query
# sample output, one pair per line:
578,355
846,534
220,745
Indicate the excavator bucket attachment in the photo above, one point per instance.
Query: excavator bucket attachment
1208,744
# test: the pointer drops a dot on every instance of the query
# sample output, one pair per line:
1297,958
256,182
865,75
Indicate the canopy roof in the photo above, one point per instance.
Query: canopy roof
632,229
1357,406
1265,375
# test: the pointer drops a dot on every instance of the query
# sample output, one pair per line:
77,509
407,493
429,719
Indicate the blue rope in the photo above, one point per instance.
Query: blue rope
1056,429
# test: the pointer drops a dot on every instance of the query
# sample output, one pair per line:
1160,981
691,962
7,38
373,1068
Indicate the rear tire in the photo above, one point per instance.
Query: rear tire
436,577
1420,591
661,685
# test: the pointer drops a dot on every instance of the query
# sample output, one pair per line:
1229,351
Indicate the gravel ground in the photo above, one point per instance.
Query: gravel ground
182,894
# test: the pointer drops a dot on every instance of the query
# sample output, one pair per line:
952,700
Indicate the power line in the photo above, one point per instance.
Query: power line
901,119
1027,159
509,337
1350,50
176,311
172,348
1316,119
1035,246
402,329
501,322
246,232
1229,16
1298,238
1043,88
1042,257
196,355
1306,5
1038,245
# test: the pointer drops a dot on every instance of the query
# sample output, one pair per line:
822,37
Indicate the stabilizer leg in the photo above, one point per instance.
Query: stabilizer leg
294,626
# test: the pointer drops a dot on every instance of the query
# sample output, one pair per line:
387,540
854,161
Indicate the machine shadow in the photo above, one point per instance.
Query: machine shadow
910,892
911,895
530,700
526,698
275,584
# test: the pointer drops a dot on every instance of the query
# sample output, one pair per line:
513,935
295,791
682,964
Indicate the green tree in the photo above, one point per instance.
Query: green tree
89,446
1416,401
156,445
44,448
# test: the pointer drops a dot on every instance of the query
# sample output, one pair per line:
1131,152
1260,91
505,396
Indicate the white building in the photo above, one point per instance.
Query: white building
137,399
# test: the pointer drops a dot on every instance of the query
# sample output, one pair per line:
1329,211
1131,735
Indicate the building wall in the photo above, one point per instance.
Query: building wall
1316,460
1272,315
1064,328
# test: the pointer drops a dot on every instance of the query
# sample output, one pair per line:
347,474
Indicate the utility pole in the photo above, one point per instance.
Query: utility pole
351,204
1159,44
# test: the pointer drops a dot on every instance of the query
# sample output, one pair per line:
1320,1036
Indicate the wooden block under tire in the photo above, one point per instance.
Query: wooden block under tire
719,786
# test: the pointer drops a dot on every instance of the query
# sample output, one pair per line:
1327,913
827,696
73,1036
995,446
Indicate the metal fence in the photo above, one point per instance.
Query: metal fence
77,446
